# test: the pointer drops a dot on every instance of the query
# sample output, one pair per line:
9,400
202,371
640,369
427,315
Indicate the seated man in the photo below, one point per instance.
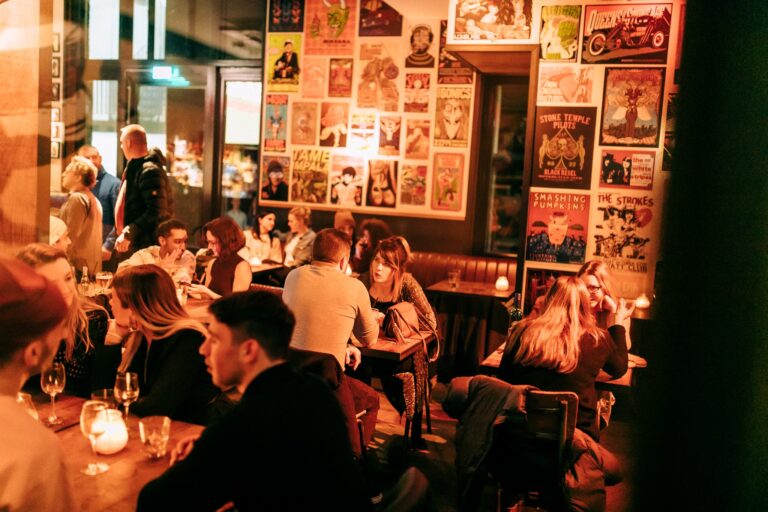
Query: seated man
330,307
32,471
283,447
171,253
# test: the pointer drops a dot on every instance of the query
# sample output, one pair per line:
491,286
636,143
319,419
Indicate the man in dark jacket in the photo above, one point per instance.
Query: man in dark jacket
145,198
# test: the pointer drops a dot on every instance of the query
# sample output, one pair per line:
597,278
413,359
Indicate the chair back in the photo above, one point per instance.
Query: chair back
255,287
528,453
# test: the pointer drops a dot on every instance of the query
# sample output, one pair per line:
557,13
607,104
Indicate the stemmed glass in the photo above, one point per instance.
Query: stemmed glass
126,389
52,382
103,279
93,424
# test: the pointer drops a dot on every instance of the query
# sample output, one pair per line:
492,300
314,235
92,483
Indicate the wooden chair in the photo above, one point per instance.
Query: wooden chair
528,454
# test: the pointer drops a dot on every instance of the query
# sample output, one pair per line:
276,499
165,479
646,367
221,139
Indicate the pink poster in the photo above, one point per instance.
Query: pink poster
329,27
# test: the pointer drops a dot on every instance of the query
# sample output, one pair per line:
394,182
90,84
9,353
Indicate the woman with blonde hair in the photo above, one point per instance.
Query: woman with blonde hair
563,349
86,322
597,278
161,346
82,213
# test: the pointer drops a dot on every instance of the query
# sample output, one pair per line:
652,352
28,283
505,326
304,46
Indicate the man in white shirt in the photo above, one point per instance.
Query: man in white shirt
171,252
32,471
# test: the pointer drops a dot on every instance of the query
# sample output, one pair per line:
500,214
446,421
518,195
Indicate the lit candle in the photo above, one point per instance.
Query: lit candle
255,261
502,283
642,302
115,435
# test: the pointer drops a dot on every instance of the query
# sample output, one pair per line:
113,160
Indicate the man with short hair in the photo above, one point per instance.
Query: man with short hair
145,198
32,471
330,307
284,446
106,189
171,252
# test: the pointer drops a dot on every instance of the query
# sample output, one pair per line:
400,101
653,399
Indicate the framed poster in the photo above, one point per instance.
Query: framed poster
632,107
340,78
56,42
627,34
56,67
564,138
492,21
56,91
452,118
557,227
55,114
273,172
55,150
57,131
382,184
347,180
413,185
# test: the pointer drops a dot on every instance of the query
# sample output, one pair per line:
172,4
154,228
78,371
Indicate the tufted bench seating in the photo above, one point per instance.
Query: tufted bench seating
431,267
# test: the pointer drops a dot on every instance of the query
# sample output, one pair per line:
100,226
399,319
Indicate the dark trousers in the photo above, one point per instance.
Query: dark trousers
356,396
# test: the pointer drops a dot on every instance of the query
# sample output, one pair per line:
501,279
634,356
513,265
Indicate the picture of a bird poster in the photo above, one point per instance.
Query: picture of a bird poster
330,26
563,142
632,107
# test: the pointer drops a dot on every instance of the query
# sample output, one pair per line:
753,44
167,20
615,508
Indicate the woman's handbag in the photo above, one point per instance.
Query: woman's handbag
401,322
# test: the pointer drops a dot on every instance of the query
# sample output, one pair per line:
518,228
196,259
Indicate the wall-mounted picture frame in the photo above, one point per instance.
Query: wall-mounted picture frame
56,67
56,91
57,131
55,114
55,150
56,42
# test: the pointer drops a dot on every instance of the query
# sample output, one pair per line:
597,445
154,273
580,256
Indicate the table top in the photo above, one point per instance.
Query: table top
197,309
129,470
389,349
472,288
264,268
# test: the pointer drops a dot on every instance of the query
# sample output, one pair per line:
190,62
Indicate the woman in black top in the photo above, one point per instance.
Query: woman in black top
161,346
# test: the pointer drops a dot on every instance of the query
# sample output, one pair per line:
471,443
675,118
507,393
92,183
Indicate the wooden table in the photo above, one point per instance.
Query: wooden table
264,268
471,288
198,309
129,470
390,350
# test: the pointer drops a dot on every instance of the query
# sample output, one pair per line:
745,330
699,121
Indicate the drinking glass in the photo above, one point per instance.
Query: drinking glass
453,278
93,425
25,400
104,395
52,383
154,432
103,280
126,389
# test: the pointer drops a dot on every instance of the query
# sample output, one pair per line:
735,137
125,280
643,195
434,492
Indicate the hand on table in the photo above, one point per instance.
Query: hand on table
183,448
352,357
202,291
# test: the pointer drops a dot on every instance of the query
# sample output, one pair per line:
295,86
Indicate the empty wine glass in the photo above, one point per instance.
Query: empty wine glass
52,382
126,389
93,424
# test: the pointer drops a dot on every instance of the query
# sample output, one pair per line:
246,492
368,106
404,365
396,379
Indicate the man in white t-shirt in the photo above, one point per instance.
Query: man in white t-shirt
32,471
171,252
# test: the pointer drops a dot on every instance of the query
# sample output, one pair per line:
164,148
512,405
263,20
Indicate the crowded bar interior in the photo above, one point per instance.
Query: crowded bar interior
448,255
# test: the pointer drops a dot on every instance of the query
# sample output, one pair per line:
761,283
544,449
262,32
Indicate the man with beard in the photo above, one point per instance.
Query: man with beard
421,40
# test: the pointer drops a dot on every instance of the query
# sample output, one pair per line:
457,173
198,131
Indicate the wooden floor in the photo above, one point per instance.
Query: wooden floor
438,462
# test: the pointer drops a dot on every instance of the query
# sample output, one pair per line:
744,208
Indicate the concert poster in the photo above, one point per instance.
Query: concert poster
624,231
283,62
389,135
330,27
286,15
565,84
447,179
416,92
275,115
632,100
347,180
334,120
563,142
559,36
452,117
413,185
628,169
557,227
362,131
314,78
378,74
340,81
309,176
378,18
450,70
304,123
382,184
417,139
490,21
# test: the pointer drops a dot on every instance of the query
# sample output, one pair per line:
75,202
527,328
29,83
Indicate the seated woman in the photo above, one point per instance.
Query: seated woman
261,241
563,349
161,346
298,245
82,214
372,232
86,323
597,278
388,283
227,272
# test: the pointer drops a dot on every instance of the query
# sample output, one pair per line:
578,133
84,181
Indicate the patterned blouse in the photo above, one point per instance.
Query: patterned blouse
410,291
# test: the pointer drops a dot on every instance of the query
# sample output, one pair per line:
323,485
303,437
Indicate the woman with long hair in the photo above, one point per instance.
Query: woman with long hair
86,323
227,272
82,213
161,346
262,241
563,349
597,278
388,283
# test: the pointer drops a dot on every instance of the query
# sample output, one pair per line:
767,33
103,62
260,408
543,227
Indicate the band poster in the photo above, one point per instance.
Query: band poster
309,175
447,177
626,34
537,283
632,107
389,135
330,27
286,15
623,230
416,92
283,63
377,87
450,70
557,227
304,123
627,169
340,82
564,84
559,38
382,184
452,116
273,173
490,21
378,18
347,180
362,132
417,139
413,185
314,78
563,141
334,119
275,115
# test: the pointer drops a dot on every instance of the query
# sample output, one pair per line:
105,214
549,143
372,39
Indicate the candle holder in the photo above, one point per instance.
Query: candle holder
642,302
502,283
115,435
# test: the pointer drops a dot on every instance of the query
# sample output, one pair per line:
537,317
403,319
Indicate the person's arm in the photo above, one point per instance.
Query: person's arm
243,277
153,194
366,328
276,250
303,253
181,366
413,293
617,361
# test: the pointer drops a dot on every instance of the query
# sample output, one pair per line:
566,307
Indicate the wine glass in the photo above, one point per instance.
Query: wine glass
103,279
126,389
93,424
52,382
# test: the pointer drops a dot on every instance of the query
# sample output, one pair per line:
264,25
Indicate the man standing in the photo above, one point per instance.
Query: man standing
32,471
145,198
283,447
330,307
106,189
171,254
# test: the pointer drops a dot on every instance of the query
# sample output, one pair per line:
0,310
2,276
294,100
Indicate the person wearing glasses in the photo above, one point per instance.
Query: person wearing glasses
597,278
